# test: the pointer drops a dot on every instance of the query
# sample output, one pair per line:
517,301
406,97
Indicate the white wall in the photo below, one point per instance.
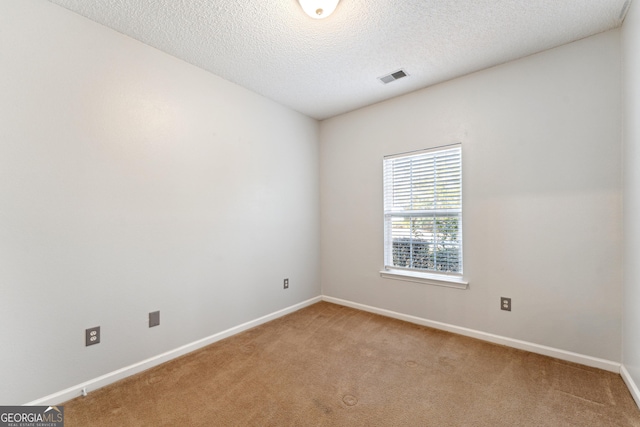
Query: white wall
131,182
542,198
631,73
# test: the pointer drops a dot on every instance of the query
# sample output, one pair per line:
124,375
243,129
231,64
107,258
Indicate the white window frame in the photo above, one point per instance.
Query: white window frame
432,277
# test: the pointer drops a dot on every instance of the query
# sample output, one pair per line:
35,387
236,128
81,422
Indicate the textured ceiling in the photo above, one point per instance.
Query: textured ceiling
330,66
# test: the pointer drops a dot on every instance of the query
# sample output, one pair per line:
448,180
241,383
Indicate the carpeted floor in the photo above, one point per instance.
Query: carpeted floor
328,365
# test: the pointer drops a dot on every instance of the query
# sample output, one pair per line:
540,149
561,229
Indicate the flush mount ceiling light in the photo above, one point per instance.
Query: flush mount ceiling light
318,9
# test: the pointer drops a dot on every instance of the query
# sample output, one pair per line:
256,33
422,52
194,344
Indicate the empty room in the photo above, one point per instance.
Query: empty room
323,212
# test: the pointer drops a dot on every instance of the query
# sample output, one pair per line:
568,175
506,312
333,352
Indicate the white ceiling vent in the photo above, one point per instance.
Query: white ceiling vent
393,76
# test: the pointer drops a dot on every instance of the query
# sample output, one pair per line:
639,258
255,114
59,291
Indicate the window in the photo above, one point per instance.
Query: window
423,214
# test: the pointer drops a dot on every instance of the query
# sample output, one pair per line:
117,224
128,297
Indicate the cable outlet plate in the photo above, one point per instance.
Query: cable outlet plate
92,336
154,319
505,304
286,283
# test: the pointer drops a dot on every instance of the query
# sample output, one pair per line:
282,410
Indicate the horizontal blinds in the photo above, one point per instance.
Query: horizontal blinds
428,181
423,210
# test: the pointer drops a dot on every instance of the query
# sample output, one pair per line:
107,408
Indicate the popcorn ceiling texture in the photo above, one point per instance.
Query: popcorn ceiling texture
326,67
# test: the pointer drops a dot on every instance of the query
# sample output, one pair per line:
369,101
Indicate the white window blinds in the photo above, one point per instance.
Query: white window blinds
423,211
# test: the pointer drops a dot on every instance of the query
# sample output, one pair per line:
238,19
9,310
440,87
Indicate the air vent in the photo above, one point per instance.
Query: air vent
393,76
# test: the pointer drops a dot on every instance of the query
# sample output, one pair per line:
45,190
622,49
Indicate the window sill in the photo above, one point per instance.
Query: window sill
427,278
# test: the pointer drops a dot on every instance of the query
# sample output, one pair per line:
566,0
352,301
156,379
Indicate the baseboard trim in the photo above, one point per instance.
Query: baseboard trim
594,362
96,383
112,377
631,384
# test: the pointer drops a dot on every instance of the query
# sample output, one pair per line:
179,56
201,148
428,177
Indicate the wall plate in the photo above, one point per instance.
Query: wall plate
92,336
154,319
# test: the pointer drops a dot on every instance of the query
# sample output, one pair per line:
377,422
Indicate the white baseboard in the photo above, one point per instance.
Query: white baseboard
96,383
631,384
594,362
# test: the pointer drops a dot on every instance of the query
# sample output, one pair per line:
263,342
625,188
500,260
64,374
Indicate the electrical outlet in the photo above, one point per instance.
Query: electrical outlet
154,319
286,283
505,304
92,336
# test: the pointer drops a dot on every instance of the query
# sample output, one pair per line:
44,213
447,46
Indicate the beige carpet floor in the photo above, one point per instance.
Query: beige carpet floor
328,365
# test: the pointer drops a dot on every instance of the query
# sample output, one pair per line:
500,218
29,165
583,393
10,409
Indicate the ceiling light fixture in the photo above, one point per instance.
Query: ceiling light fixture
318,9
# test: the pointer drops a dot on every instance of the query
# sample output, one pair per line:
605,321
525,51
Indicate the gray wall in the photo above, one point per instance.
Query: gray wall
631,73
542,204
131,182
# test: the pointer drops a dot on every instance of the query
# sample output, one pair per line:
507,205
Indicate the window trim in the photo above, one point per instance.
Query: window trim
445,280
451,280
